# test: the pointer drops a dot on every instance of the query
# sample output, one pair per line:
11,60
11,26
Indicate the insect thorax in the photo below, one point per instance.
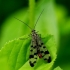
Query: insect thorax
34,37
34,34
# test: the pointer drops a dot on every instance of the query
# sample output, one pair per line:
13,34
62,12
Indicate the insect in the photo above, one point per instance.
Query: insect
37,49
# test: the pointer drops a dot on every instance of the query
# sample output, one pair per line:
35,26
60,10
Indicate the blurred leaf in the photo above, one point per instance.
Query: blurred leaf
66,66
13,28
61,13
64,43
63,20
66,28
58,68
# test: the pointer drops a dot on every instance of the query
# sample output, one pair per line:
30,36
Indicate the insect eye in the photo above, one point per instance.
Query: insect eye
33,30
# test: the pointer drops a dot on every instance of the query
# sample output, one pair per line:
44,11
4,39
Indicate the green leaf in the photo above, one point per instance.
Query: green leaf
15,54
58,68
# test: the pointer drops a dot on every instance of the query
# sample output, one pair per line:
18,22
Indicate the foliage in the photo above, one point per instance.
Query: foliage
14,55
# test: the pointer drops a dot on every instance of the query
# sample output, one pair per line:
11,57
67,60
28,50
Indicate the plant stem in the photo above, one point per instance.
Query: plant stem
31,12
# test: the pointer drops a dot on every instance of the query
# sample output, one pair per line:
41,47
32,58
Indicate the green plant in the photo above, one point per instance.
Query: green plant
14,55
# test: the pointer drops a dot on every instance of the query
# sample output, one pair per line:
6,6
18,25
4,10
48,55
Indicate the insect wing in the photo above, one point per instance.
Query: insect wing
43,50
45,53
33,55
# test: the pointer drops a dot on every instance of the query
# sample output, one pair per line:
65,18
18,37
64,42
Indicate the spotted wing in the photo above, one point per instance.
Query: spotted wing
45,53
33,54
43,50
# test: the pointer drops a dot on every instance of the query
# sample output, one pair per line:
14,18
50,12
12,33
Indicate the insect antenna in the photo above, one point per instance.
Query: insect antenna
38,18
23,22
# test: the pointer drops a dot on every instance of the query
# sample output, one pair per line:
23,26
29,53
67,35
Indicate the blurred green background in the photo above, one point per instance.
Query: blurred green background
62,12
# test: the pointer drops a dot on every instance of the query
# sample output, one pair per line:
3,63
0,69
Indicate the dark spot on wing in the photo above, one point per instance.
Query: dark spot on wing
46,52
34,61
44,47
31,56
45,58
41,43
34,47
31,45
49,60
31,64
31,50
35,58
42,52
35,53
